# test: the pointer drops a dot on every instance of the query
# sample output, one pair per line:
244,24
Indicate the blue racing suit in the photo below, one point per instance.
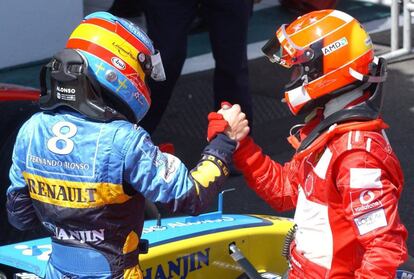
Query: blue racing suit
87,181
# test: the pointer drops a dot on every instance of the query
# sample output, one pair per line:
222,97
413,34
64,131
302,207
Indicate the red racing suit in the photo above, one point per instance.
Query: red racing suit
345,187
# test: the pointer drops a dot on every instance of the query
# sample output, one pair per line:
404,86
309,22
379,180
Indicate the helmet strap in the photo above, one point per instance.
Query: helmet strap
369,78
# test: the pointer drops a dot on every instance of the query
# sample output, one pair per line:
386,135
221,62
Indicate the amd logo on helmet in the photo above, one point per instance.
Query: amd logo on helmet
334,46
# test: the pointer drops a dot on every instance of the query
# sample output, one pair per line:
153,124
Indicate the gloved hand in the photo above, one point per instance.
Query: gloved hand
216,125
238,127
229,120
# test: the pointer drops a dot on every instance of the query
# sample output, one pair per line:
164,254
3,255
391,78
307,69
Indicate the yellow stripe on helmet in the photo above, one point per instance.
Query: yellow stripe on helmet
110,41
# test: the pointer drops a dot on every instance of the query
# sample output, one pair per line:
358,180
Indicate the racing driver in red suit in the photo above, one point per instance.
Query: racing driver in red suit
344,179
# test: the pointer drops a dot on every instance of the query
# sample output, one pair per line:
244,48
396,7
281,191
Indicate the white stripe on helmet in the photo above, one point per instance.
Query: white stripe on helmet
298,96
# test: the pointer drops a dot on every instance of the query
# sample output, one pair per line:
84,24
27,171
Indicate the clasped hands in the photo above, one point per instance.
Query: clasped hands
229,120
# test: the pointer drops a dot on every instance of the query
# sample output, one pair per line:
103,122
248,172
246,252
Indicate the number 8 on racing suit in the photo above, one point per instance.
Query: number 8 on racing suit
83,168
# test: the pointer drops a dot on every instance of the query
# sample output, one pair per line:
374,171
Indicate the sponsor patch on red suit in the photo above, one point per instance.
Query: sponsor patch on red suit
308,187
365,200
371,221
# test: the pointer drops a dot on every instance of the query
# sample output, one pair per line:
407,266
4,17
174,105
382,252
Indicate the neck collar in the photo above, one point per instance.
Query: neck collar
340,102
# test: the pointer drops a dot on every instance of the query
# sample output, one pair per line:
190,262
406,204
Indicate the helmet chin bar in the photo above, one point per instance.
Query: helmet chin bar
296,90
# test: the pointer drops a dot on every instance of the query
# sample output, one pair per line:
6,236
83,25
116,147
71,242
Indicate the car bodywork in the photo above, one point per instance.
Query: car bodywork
186,247
12,92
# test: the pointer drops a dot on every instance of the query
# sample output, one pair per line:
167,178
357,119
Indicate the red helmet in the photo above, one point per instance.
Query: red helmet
327,49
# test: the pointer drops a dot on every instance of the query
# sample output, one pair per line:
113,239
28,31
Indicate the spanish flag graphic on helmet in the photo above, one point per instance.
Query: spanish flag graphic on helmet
326,51
120,58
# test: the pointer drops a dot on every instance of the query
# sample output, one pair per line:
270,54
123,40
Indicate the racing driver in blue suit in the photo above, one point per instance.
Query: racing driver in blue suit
83,167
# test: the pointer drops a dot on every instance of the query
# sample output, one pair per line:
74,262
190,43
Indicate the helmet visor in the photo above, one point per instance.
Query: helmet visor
283,51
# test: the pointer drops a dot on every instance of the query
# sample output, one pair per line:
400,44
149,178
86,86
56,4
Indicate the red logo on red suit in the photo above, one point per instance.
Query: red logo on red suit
365,200
308,187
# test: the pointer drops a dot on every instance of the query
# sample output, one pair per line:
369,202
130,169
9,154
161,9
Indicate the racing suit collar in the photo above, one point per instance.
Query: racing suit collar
72,112
337,116
335,129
